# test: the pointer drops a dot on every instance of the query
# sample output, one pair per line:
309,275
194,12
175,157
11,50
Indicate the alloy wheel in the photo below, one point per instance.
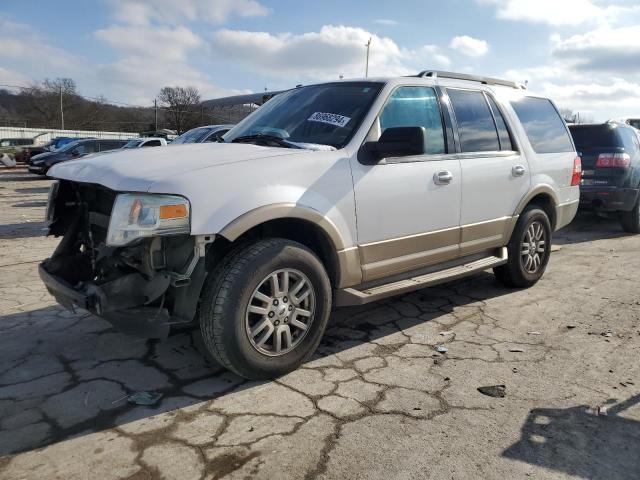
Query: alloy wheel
280,312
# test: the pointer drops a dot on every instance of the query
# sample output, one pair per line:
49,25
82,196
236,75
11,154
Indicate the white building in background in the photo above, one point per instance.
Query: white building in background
43,135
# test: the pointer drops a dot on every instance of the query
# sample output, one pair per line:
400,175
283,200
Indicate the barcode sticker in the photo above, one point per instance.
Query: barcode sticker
330,118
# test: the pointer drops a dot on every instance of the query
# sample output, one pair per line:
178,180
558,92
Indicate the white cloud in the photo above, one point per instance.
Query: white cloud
138,82
469,46
593,97
163,43
28,52
605,49
386,22
557,12
332,51
142,12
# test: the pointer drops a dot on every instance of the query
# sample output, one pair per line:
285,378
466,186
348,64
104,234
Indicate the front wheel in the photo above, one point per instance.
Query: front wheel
529,250
264,312
631,220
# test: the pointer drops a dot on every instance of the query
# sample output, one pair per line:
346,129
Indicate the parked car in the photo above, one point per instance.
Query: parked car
51,146
210,133
610,155
13,147
40,164
145,142
256,238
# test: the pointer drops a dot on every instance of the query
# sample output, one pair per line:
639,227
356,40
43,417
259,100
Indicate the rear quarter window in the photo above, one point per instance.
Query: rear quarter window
543,125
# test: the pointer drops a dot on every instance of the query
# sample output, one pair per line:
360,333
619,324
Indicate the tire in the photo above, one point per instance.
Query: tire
517,272
630,221
232,330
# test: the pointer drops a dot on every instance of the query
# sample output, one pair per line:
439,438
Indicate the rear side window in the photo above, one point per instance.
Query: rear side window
415,107
545,128
152,143
630,140
475,123
501,125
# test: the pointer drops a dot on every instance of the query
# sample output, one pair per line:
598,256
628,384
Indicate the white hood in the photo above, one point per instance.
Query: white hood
135,170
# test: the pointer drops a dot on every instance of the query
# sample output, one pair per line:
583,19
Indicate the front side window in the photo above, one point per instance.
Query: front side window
476,128
326,114
415,107
545,129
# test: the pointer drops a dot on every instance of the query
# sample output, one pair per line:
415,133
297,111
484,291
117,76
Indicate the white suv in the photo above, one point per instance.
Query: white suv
339,193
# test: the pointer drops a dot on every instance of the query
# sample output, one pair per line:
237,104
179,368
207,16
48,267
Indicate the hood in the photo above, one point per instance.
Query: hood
136,169
42,157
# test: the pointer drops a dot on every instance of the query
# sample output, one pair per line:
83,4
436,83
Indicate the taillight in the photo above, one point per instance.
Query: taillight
613,160
577,172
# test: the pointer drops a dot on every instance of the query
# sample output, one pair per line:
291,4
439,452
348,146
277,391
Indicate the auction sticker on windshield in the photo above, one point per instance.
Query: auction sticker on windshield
330,118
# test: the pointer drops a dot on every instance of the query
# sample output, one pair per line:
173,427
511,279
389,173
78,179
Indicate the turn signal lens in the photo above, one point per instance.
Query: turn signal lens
173,211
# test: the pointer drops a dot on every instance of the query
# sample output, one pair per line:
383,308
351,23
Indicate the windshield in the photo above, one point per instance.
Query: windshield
132,144
69,146
327,114
192,136
634,122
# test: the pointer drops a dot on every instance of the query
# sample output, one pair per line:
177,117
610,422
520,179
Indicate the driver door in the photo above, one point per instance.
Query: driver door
408,208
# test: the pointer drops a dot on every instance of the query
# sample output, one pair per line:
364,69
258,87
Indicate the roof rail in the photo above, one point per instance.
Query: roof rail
471,78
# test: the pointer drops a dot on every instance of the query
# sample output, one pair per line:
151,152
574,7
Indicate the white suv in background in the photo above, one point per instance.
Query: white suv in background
339,193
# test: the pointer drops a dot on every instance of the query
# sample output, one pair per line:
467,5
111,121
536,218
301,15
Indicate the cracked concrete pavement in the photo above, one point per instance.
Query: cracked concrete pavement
376,401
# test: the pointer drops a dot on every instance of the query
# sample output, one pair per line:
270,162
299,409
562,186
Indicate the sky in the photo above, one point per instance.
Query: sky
585,54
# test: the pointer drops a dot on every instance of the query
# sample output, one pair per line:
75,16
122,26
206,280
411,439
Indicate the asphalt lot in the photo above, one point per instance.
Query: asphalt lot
376,402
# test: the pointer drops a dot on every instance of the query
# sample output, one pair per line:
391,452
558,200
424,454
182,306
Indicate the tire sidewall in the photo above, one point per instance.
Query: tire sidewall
284,255
526,219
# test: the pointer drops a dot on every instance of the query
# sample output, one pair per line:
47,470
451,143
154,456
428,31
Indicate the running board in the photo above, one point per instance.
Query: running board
353,296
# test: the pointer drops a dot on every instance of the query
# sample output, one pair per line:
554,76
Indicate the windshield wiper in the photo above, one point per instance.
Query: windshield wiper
265,138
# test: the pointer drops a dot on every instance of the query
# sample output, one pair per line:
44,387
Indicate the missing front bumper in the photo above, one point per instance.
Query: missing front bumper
124,302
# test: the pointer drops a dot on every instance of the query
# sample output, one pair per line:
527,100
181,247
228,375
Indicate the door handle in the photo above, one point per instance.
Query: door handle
518,170
443,178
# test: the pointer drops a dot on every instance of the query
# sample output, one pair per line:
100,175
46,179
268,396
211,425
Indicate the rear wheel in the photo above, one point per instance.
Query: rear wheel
529,250
264,313
631,220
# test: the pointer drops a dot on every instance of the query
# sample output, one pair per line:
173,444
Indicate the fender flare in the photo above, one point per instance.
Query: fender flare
275,211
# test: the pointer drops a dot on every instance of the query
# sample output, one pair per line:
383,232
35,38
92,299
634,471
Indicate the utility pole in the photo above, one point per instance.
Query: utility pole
366,67
61,109
155,108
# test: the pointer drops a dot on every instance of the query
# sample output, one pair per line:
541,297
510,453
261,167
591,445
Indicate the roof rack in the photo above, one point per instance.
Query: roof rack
471,78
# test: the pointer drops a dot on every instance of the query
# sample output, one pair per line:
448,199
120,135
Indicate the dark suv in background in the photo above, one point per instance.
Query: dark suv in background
41,163
610,155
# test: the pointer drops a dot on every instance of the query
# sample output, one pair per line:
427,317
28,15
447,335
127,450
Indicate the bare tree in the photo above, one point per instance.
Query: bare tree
45,98
571,116
180,104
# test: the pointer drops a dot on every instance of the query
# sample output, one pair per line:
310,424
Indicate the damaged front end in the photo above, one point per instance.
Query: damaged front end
142,287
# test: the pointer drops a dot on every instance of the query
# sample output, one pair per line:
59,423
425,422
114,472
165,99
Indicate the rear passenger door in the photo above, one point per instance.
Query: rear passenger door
495,176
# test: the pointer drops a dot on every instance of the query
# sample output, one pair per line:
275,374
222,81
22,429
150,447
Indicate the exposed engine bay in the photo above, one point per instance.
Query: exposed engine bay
143,288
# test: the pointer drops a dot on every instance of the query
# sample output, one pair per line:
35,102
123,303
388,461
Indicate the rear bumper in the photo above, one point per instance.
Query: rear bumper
122,302
565,213
608,198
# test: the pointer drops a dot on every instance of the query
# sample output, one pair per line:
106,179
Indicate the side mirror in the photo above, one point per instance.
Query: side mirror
398,142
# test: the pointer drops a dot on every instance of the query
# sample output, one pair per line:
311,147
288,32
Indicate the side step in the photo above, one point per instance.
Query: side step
353,296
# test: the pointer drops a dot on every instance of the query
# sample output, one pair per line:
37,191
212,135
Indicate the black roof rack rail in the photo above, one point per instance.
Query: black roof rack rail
471,78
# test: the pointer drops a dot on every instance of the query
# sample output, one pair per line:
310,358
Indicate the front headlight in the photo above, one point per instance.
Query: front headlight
146,215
